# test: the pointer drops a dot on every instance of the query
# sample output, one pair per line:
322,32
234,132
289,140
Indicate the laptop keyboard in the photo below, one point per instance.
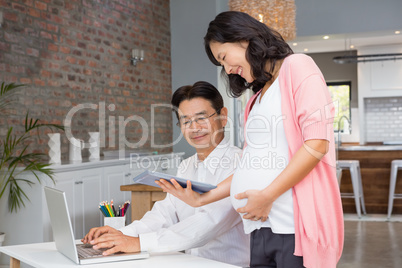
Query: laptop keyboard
87,251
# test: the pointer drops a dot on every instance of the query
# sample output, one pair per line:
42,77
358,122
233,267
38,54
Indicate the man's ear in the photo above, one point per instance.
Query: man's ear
224,116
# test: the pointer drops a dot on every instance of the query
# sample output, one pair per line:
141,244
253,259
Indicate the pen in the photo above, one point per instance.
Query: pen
103,212
111,211
126,205
114,211
119,212
108,209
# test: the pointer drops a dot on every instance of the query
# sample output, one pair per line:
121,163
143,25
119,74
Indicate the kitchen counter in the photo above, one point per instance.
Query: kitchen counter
370,147
106,161
375,165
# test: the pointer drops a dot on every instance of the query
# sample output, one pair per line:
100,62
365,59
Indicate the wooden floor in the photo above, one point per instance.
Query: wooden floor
372,242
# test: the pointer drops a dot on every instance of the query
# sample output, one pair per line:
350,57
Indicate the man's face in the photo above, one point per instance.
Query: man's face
200,124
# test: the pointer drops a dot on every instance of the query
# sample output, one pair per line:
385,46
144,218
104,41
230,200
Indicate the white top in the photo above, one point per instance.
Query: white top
214,231
264,158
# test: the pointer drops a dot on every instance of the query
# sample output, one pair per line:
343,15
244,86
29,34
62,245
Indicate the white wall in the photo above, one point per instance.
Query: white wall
189,21
378,80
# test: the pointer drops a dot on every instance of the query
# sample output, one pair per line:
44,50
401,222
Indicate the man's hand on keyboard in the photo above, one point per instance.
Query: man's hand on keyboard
116,242
96,232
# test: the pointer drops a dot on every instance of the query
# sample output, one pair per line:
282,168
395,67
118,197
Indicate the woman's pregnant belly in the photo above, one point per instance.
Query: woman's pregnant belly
256,173
250,179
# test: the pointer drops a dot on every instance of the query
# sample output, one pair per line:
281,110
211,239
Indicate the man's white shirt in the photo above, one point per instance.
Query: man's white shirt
214,231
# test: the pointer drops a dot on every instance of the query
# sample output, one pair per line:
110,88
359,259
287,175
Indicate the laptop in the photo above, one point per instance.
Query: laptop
64,237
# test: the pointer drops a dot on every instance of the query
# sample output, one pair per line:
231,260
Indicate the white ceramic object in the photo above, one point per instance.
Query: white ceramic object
54,148
76,146
94,145
115,222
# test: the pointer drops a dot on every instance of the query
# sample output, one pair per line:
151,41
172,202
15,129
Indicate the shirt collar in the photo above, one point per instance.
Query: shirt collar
211,162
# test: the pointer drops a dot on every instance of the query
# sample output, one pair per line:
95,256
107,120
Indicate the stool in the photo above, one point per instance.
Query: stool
395,165
354,168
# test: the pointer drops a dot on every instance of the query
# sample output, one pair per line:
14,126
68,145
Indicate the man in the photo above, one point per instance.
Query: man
214,231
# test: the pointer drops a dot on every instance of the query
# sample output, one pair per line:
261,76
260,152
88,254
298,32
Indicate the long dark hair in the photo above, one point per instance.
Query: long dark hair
265,44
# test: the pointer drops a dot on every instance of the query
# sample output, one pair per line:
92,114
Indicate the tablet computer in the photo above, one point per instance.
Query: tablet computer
149,177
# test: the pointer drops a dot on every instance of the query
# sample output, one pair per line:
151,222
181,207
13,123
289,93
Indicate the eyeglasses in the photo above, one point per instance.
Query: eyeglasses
202,120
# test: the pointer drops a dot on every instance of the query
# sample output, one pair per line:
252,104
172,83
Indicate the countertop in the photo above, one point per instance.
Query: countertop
111,161
370,147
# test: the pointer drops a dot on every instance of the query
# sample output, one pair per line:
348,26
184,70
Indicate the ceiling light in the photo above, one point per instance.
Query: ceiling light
280,15
306,49
326,37
397,32
294,44
352,46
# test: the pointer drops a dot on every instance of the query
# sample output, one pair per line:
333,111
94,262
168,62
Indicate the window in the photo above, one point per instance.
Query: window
340,93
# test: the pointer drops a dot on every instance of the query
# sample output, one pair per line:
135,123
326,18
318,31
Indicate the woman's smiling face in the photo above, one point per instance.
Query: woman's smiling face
232,56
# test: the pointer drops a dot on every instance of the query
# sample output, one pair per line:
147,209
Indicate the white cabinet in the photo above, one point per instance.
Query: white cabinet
87,195
86,187
83,190
113,178
378,79
161,163
85,184
172,166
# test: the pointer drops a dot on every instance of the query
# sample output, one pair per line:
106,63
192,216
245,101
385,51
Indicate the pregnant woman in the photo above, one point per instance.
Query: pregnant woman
285,185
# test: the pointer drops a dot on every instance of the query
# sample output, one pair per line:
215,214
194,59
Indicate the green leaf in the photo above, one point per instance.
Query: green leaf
17,195
6,94
15,160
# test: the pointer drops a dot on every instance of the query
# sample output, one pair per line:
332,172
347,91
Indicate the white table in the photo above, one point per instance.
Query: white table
45,255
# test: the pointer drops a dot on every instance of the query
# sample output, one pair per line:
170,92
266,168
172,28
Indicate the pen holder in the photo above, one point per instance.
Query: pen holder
115,222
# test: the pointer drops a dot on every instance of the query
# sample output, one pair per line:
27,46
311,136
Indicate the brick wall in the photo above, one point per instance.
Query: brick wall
76,54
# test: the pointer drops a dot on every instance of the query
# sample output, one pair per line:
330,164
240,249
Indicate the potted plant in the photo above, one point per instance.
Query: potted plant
15,158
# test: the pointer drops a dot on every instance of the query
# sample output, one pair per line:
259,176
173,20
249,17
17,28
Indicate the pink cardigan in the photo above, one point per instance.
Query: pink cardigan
309,113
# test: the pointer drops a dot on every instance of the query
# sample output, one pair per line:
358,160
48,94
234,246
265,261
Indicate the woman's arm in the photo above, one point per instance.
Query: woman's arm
304,160
195,199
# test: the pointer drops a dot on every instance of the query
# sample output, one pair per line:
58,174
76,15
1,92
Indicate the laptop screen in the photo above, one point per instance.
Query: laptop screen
61,223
